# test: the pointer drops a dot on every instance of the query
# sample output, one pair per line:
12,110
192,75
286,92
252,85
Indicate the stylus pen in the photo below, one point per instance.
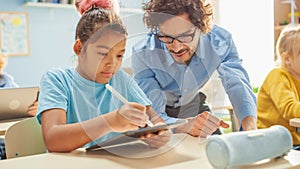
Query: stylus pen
120,97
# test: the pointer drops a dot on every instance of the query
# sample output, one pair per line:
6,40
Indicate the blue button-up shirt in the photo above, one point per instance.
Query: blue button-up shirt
168,83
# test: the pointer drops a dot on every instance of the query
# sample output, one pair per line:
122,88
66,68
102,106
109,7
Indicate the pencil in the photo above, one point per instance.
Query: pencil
122,99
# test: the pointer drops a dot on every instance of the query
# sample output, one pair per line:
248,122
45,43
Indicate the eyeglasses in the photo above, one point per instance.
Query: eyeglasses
169,39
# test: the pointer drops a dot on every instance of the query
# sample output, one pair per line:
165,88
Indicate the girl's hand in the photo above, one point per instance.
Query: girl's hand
157,140
129,117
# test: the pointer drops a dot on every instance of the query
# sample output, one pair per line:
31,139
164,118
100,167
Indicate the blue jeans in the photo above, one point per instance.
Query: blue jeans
2,149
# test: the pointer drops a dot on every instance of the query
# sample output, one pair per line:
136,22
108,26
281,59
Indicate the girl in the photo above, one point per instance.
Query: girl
75,108
279,96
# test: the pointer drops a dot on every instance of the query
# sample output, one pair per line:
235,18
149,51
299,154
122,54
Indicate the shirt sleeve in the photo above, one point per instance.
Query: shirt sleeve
145,78
52,93
283,93
237,84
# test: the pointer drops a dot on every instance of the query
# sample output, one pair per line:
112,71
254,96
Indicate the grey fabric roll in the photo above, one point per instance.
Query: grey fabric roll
246,147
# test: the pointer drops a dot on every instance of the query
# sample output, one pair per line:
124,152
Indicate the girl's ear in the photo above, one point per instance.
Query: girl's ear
286,59
77,47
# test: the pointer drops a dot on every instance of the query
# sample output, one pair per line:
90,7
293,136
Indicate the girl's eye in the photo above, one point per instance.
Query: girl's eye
120,56
102,54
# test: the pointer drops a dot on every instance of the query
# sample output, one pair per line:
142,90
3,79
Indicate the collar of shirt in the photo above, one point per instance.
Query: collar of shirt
85,81
169,57
199,52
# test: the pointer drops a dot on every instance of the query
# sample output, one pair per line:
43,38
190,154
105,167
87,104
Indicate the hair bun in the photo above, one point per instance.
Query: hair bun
84,5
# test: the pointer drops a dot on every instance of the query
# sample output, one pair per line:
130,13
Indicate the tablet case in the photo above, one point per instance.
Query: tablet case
134,135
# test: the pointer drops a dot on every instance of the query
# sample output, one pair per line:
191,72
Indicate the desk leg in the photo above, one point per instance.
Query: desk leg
233,120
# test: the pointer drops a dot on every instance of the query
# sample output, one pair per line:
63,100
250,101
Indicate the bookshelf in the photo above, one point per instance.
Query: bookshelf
282,15
49,5
72,6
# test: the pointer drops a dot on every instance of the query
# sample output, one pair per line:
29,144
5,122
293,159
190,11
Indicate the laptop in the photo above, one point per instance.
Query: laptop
14,102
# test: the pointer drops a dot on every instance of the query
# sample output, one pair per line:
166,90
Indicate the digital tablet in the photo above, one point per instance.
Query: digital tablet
134,135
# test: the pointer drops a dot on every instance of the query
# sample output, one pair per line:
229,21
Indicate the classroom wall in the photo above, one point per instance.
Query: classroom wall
251,23
51,35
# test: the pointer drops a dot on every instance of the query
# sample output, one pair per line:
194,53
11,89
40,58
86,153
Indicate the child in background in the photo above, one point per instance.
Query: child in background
6,80
279,96
75,108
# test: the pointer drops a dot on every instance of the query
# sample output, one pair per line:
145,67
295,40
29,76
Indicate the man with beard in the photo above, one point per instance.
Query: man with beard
180,54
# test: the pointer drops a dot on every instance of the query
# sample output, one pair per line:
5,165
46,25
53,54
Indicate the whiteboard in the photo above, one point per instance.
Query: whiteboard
14,36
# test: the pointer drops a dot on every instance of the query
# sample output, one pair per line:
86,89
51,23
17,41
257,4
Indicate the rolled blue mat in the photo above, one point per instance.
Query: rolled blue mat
246,147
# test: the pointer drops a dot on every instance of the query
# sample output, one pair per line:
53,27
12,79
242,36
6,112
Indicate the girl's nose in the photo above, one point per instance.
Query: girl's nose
111,61
109,65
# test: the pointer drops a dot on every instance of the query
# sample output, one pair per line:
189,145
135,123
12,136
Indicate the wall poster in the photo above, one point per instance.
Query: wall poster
14,33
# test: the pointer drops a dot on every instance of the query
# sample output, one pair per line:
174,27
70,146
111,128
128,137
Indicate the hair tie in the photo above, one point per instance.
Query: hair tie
85,5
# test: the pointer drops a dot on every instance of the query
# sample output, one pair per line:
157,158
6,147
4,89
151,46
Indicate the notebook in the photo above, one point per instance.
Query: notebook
14,102
134,135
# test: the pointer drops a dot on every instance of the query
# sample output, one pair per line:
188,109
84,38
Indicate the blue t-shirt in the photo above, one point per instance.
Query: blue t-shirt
83,99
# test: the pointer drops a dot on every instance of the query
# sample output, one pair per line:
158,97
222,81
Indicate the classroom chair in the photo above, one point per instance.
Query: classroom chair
24,138
295,122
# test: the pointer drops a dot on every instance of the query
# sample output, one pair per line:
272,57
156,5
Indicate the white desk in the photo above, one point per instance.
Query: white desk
186,152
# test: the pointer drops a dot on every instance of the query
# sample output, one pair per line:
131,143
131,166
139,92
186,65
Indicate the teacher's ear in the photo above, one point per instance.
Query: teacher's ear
77,47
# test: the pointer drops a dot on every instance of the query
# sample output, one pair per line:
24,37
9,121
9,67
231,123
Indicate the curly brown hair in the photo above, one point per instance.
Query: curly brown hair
158,11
